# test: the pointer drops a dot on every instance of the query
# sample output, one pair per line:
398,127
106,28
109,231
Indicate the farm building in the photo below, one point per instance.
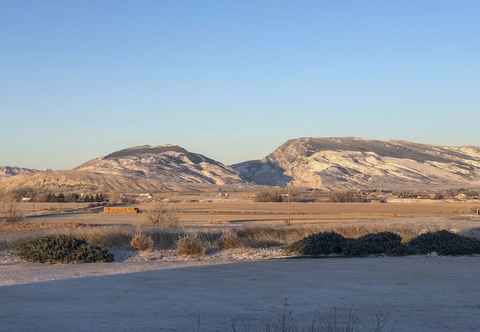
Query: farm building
119,210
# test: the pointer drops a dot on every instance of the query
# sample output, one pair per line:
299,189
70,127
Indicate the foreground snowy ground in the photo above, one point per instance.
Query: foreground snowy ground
14,271
415,293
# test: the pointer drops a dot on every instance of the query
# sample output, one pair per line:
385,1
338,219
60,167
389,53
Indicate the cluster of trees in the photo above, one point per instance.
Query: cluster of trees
348,197
447,194
35,196
284,195
60,198
469,193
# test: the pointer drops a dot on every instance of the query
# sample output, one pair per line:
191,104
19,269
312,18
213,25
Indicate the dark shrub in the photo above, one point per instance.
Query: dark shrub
444,243
319,244
375,244
61,249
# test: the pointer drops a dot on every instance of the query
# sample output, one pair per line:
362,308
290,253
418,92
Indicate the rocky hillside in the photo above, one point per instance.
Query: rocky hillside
8,171
354,163
138,169
169,163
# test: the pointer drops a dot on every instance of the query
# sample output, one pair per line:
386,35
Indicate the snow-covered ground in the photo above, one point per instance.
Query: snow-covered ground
413,293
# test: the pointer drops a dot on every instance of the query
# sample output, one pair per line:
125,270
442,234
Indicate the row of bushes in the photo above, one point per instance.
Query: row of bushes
385,243
69,249
295,195
283,195
40,196
191,244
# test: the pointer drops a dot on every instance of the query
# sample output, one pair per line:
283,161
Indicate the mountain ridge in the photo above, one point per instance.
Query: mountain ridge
329,163
135,169
8,171
357,163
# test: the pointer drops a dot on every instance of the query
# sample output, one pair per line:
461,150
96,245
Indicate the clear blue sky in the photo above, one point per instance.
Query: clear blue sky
232,79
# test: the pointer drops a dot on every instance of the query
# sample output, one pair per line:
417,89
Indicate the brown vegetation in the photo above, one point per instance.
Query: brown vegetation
284,195
10,213
117,210
190,245
141,241
162,215
230,240
273,196
348,197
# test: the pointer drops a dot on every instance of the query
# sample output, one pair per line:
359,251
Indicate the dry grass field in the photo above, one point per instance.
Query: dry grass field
207,232
207,211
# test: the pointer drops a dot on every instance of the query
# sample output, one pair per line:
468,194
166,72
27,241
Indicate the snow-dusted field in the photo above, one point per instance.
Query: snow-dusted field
415,293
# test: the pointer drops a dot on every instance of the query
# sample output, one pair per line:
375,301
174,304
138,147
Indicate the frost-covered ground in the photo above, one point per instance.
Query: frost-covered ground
14,271
413,293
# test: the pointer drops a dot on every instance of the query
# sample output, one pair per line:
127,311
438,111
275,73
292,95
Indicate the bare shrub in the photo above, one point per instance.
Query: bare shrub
166,239
439,196
190,245
269,196
348,197
141,241
284,195
163,215
230,240
407,195
9,213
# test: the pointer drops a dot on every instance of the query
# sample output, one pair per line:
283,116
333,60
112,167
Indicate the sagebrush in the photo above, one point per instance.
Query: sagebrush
61,249
385,243
191,245
141,241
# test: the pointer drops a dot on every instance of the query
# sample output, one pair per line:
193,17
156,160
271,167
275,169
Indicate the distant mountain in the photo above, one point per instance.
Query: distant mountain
168,163
355,163
8,171
137,169
324,163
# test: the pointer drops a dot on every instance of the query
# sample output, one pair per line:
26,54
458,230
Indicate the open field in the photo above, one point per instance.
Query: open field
261,229
206,212
413,293
245,211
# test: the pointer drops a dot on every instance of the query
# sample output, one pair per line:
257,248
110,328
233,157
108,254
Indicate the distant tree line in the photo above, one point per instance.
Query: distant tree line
61,198
32,195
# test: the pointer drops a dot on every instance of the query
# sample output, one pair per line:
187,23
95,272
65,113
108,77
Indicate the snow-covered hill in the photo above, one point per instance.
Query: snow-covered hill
354,163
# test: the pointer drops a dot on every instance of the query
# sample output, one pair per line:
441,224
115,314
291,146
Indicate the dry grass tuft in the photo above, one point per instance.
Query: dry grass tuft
141,241
230,240
191,245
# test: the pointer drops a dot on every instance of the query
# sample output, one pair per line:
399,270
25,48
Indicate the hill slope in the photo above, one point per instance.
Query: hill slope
354,163
168,163
7,171
137,169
